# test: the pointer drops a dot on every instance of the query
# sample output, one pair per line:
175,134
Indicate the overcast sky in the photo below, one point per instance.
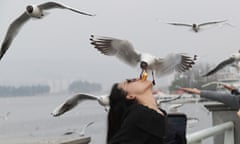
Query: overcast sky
57,47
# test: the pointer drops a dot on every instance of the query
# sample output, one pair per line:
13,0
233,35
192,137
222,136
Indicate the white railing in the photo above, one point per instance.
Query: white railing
226,128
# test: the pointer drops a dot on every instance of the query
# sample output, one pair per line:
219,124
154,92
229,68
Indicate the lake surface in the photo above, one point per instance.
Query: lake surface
30,120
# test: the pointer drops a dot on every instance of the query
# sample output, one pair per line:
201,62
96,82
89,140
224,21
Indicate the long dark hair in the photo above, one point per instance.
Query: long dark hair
118,106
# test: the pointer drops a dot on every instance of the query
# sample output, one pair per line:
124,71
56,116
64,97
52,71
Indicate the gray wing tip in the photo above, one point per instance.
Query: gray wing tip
205,75
187,62
210,73
91,38
4,48
101,37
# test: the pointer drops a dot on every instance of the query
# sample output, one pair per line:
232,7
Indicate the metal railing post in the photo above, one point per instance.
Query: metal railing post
229,136
226,128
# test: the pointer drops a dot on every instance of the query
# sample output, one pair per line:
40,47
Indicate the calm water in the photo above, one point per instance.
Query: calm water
30,120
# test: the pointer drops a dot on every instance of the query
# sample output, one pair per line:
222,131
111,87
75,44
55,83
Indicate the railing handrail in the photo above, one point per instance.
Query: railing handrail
208,132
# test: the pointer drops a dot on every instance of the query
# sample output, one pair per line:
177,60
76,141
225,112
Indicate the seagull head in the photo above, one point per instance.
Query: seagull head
104,100
236,56
34,11
29,9
143,76
144,65
195,27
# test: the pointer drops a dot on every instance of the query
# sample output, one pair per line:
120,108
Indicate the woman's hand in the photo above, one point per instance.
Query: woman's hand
191,90
229,87
238,113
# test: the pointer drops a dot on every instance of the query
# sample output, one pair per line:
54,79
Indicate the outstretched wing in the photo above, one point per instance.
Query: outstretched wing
71,103
214,22
220,66
50,5
180,24
174,62
12,32
116,47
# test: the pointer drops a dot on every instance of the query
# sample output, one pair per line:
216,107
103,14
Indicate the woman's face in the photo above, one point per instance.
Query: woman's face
135,86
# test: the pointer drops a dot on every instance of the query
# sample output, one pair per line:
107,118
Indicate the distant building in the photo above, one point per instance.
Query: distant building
57,86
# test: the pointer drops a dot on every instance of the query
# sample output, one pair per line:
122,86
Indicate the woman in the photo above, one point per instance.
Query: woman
228,99
134,117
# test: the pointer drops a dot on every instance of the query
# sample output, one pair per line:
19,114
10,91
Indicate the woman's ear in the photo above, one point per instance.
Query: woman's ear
131,97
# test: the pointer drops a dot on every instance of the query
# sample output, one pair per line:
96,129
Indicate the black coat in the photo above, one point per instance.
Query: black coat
141,125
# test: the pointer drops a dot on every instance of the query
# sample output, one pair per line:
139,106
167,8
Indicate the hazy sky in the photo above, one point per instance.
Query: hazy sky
57,47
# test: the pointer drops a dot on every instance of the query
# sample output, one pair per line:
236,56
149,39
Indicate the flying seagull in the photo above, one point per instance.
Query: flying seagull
234,58
173,107
76,99
32,11
196,27
5,116
81,133
73,101
125,51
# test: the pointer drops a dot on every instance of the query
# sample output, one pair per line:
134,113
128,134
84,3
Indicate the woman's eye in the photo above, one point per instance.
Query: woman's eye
130,80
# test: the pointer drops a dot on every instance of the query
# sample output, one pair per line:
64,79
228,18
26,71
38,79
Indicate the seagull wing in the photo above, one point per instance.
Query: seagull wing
12,32
214,22
116,47
71,103
82,133
180,24
220,66
50,5
173,62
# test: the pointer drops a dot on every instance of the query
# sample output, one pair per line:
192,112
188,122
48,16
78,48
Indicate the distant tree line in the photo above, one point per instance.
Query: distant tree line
24,90
84,87
75,86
